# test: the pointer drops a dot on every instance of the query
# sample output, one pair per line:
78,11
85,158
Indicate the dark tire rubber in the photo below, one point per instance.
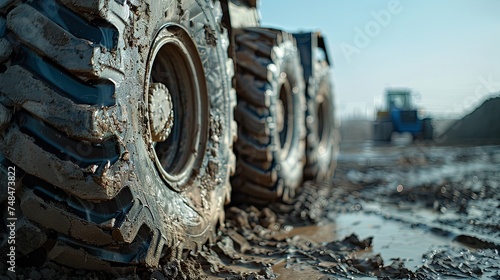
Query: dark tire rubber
323,136
270,114
74,123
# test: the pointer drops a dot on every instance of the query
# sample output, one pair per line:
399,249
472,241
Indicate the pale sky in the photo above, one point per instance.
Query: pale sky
448,51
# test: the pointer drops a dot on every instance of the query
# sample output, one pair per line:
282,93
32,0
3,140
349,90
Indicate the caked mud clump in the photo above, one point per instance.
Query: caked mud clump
176,270
266,244
461,263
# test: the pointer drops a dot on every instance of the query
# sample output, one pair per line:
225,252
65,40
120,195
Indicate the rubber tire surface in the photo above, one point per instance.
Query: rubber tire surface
322,147
73,125
264,173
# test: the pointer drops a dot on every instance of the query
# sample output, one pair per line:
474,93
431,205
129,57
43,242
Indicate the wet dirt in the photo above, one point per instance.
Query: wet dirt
404,211
408,211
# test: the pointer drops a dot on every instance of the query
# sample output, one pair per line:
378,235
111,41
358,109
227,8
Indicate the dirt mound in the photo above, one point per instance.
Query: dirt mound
481,126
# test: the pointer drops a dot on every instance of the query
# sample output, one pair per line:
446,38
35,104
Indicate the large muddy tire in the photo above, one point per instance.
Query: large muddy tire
323,135
118,119
270,115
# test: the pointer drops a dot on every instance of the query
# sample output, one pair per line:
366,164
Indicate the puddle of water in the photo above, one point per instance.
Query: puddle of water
296,272
318,234
391,239
304,272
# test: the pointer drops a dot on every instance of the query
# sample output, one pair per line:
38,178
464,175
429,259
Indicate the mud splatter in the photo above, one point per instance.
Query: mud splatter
210,36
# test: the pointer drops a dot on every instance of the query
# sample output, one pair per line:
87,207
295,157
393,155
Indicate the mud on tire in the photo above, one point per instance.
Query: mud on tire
94,189
270,116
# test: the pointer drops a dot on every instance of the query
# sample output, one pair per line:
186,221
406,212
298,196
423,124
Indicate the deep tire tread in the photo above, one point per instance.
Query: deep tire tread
98,215
251,121
43,35
76,120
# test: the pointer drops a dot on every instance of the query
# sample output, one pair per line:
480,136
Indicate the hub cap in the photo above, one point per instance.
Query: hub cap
161,113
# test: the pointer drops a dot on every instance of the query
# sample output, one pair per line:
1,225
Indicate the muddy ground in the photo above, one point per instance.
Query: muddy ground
400,211
392,211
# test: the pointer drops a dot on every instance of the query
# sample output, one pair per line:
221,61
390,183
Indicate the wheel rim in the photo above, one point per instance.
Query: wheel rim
285,117
178,147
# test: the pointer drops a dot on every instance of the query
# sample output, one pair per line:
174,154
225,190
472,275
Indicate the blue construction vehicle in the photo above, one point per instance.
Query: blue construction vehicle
400,116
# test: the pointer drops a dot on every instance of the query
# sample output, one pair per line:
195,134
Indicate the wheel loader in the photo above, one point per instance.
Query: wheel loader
127,125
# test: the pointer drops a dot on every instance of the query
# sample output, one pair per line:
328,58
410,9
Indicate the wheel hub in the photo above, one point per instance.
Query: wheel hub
161,113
